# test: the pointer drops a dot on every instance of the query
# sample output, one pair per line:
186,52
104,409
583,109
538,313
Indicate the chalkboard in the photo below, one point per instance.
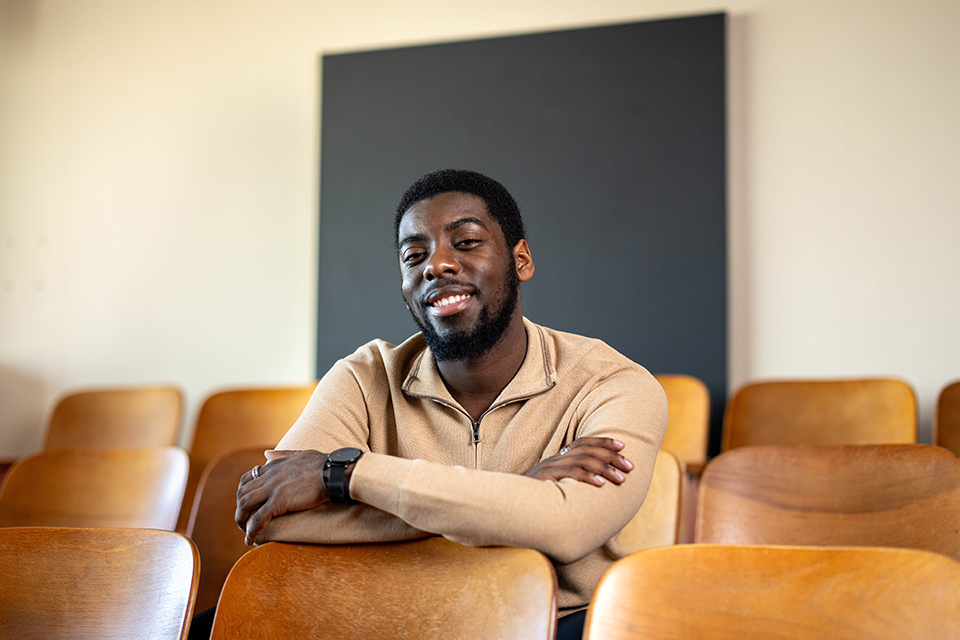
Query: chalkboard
613,141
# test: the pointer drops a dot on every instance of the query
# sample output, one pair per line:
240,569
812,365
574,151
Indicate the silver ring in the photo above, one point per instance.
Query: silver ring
256,472
564,450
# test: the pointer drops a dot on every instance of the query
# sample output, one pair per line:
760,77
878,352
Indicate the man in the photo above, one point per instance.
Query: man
484,428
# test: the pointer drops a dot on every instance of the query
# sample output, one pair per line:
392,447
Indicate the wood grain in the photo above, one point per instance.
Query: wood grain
717,592
95,488
238,419
60,584
425,589
657,522
946,420
874,495
688,426
116,418
212,527
868,411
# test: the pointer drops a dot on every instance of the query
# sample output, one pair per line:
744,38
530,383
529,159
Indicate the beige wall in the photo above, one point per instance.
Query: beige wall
158,185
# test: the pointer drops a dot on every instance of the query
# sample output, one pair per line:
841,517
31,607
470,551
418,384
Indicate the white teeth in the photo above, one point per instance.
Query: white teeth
449,300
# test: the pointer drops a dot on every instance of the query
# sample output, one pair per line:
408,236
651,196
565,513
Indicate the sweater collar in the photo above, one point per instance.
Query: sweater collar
536,375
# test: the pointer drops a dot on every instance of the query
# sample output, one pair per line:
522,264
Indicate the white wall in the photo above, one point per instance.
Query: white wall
159,170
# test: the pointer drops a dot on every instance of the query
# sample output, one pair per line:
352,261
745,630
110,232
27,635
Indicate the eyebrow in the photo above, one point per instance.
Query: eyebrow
419,237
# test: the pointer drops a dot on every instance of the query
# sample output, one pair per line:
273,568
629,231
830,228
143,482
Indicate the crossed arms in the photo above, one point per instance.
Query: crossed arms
565,505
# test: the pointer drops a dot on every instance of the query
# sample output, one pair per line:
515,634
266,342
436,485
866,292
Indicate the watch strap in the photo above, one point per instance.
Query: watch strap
337,471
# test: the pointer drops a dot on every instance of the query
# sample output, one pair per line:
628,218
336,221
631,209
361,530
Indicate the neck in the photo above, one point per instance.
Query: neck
475,383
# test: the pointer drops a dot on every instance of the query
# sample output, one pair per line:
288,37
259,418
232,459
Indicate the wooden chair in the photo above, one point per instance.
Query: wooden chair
688,426
867,495
212,527
116,419
946,421
108,584
711,592
95,488
422,589
238,419
657,522
872,411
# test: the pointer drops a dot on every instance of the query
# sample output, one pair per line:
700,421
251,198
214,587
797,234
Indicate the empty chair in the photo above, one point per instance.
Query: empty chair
711,592
688,426
116,418
867,495
96,583
422,589
873,411
657,522
946,420
232,420
95,488
212,526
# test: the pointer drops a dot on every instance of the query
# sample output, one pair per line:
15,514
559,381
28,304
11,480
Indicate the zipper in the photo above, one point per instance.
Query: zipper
475,424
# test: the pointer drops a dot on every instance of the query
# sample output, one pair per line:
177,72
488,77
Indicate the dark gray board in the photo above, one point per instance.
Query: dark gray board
613,141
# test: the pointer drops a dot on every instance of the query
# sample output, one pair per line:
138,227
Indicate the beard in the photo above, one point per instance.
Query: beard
478,340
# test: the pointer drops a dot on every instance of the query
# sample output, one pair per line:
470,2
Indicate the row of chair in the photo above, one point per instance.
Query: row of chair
786,412
812,495
136,418
843,411
123,583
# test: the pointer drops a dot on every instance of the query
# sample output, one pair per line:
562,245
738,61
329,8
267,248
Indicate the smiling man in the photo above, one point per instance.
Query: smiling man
484,428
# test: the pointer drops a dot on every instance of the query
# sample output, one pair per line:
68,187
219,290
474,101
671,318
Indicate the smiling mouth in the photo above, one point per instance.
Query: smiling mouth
449,305
447,301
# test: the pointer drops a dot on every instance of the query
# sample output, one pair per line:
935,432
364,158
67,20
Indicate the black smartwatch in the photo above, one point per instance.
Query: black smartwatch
335,474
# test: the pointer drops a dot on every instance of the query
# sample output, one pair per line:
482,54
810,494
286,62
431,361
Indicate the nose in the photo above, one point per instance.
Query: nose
441,263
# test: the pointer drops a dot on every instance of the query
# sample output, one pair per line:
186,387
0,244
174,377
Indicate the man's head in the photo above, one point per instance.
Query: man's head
499,203
461,264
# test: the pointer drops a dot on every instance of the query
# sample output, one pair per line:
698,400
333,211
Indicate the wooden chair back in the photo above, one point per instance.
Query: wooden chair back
946,420
867,495
424,589
871,411
108,584
238,419
688,426
116,419
714,592
657,522
95,488
212,527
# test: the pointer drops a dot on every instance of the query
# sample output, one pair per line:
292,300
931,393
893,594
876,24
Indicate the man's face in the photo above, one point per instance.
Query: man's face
458,276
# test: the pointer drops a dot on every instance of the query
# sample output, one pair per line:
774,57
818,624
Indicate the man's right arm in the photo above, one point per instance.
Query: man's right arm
335,417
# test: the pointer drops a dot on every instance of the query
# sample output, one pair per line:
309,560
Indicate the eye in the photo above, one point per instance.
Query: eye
413,257
467,243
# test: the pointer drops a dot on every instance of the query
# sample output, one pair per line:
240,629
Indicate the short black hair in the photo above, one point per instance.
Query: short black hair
500,204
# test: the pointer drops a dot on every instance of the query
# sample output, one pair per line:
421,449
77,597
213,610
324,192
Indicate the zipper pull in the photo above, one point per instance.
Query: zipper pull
476,432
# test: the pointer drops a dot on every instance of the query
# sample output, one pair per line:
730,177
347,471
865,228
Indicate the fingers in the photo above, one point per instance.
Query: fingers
606,443
605,452
277,454
594,461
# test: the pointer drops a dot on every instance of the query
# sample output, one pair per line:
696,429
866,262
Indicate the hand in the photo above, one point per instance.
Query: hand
290,481
590,460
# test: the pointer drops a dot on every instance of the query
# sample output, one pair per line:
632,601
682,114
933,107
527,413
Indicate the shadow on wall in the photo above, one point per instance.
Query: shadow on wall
18,20
21,413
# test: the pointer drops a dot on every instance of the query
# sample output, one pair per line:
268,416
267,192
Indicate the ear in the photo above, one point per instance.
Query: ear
521,254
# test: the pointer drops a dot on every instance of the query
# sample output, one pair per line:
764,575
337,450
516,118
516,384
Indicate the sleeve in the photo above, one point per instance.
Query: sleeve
335,417
566,520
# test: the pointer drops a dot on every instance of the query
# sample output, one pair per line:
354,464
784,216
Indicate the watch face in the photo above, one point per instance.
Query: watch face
343,456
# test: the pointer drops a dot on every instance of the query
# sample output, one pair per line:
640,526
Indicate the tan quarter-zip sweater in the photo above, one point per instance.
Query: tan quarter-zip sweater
431,470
